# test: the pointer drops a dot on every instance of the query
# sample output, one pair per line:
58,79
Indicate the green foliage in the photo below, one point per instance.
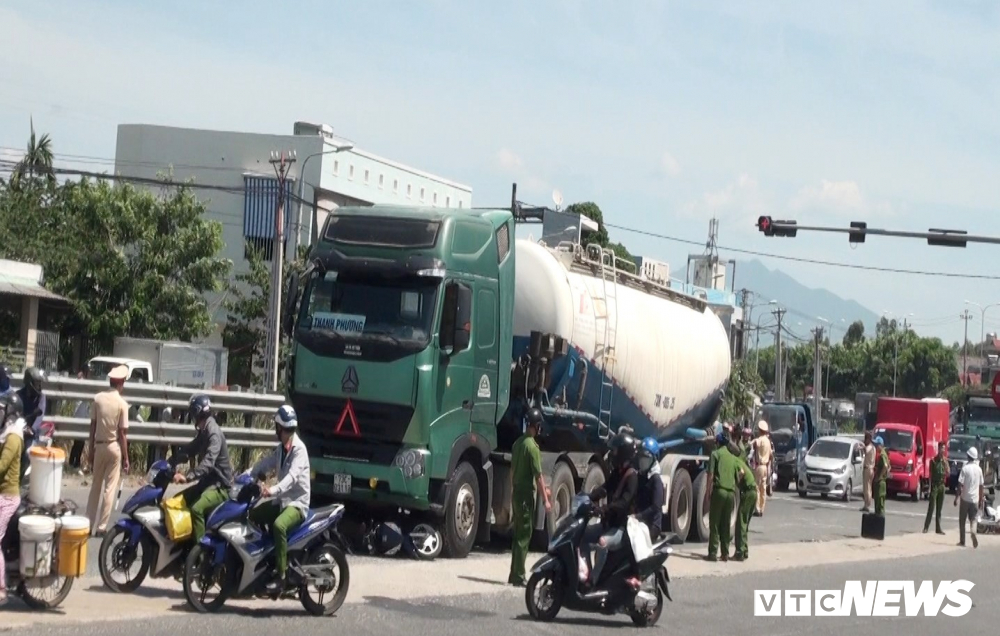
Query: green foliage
591,210
744,384
855,334
924,366
955,394
131,262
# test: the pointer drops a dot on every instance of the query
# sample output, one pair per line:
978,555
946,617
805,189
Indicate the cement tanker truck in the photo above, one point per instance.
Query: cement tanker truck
424,335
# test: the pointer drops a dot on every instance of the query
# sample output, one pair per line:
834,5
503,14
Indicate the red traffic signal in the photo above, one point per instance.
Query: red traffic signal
770,227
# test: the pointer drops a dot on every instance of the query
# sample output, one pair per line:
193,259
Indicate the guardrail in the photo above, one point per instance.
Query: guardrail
160,397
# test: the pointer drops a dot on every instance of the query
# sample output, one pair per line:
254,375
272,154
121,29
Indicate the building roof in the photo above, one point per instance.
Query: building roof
24,279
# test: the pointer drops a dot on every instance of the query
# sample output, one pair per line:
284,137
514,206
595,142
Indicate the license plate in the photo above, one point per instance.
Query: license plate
816,480
342,484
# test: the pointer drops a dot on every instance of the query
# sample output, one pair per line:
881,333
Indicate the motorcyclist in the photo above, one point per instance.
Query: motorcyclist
33,402
620,489
12,427
5,387
214,472
651,493
291,494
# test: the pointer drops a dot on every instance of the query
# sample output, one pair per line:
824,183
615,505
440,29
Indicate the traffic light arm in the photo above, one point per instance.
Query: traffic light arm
946,238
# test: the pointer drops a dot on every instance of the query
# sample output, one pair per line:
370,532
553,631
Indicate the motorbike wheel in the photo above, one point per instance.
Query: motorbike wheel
197,570
427,542
114,553
550,585
33,600
648,619
326,554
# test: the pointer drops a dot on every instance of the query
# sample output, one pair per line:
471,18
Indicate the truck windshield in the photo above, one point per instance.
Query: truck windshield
829,449
400,311
958,446
901,441
984,414
99,369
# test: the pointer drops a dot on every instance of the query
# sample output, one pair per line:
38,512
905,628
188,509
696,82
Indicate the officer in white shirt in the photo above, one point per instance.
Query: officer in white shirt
970,491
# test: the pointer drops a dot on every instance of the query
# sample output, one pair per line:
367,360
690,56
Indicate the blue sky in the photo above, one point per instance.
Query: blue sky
666,114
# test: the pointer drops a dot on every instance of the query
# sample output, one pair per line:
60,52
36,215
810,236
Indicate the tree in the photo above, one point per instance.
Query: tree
591,210
36,161
855,333
744,384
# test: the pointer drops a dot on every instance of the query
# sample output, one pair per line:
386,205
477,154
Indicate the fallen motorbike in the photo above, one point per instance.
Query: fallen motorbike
238,558
140,538
421,541
625,586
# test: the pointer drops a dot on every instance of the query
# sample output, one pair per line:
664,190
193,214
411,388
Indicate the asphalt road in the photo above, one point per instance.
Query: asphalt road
787,519
709,605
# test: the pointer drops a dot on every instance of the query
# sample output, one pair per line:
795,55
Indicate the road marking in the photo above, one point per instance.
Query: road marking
817,501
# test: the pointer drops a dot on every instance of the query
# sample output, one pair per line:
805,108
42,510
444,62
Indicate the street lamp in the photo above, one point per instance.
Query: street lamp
982,322
895,349
341,147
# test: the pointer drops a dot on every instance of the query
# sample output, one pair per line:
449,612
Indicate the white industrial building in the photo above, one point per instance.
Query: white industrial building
243,186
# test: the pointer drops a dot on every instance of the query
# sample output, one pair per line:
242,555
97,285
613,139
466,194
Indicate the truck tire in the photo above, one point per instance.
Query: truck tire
681,508
595,477
461,519
699,520
563,492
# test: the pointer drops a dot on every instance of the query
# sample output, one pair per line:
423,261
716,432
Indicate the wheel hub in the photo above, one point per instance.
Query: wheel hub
465,511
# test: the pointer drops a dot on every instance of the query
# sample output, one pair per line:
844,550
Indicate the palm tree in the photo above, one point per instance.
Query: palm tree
37,161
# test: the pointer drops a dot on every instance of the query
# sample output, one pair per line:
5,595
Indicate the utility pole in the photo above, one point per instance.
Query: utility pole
818,373
744,303
966,316
779,385
281,161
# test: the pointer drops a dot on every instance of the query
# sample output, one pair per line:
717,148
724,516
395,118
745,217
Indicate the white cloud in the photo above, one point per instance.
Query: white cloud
529,183
509,160
738,204
837,197
671,167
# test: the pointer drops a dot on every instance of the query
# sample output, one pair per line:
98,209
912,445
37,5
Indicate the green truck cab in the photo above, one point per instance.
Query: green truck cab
399,369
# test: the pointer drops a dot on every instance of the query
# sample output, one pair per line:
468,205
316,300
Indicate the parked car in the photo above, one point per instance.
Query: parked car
833,466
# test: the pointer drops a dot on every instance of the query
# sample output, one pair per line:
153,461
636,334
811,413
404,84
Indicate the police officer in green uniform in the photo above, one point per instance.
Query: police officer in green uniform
939,472
722,469
748,503
526,473
881,475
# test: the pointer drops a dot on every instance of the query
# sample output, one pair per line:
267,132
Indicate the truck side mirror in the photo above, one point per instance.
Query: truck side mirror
456,318
288,318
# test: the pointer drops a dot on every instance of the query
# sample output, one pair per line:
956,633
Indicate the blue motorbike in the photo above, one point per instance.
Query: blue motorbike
140,539
236,558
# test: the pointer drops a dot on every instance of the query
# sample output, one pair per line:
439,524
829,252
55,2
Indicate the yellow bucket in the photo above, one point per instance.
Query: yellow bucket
74,531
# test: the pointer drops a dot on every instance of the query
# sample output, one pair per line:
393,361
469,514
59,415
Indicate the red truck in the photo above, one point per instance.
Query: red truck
912,431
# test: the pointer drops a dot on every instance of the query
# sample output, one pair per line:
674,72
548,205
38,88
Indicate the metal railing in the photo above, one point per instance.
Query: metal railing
160,399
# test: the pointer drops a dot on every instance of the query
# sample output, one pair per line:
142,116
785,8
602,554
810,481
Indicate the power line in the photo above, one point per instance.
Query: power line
811,261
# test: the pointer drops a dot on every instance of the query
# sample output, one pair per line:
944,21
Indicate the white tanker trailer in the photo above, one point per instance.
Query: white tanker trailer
614,351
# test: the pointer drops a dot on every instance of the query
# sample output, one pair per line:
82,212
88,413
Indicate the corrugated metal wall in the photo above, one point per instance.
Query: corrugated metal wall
260,197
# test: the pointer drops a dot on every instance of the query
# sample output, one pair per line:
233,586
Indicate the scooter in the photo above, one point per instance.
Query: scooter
140,537
422,541
625,586
40,593
238,557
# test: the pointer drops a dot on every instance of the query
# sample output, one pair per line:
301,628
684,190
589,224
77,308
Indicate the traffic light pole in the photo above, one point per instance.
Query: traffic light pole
859,230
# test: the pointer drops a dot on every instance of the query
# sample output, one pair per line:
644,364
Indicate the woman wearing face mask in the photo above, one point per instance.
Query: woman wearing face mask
11,447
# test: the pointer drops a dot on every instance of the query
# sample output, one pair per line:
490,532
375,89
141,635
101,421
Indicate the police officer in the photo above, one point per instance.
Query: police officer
939,472
526,473
748,504
881,475
722,474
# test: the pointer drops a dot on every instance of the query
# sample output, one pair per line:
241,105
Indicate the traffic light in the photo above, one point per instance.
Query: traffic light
857,237
770,227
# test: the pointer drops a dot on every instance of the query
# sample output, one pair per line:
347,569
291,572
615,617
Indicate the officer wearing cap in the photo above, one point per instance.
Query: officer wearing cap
881,475
108,448
526,476
723,467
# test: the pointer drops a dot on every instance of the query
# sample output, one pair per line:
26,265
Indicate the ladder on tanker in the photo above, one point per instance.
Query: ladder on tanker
604,327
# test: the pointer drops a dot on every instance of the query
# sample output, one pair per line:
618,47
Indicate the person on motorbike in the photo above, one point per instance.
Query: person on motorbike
11,447
290,502
620,489
33,401
214,472
5,387
651,494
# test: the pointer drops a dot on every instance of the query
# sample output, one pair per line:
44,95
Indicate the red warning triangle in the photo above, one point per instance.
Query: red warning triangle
348,413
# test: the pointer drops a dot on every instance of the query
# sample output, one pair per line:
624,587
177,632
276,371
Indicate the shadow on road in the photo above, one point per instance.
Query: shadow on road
426,609
476,579
145,592
582,622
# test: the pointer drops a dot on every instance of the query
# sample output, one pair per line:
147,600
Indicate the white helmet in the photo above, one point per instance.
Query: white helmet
972,453
286,418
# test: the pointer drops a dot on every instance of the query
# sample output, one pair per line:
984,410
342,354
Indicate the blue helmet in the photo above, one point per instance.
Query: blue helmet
199,407
720,439
651,446
879,441
286,418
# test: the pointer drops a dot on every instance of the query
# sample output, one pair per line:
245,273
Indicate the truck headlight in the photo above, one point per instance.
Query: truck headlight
412,462
909,466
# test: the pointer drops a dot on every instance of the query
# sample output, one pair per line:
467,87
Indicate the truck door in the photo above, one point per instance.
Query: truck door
919,461
455,380
487,343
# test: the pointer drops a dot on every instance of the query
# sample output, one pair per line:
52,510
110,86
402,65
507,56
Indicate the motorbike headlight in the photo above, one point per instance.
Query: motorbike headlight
151,475
412,462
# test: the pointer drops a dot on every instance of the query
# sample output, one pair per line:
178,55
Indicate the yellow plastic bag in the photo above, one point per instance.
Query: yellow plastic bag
177,518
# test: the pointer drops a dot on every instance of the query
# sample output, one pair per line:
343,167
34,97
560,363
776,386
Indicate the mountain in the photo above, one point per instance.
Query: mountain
804,304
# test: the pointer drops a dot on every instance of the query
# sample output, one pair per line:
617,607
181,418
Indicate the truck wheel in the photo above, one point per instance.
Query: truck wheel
461,520
681,504
919,492
563,492
595,477
699,522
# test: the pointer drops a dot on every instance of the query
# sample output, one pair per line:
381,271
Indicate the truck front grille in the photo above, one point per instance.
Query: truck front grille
321,417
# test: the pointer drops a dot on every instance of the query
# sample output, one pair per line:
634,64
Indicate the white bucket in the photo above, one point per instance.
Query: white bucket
37,538
45,487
